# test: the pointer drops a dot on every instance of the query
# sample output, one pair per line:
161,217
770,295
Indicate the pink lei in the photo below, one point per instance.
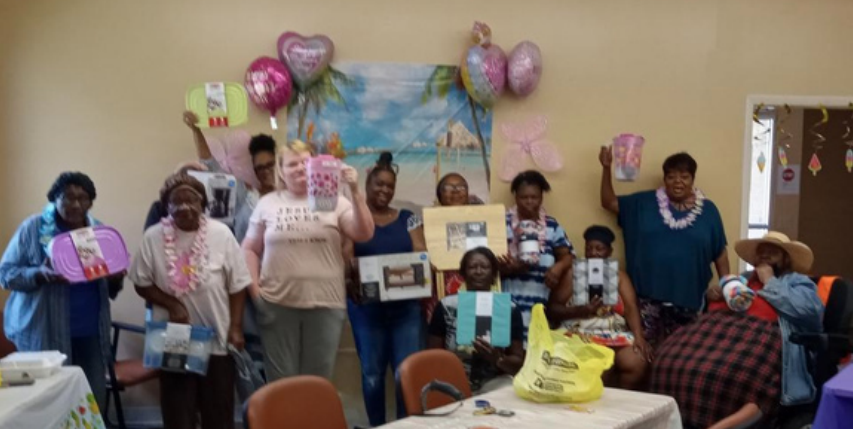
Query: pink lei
184,268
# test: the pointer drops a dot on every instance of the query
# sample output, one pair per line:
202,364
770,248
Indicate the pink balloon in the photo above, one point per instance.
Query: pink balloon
269,85
524,68
306,57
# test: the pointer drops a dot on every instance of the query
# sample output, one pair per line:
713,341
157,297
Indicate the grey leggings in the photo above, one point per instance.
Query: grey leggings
299,341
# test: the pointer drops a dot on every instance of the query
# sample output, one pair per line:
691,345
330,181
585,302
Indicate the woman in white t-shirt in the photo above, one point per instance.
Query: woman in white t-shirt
297,266
191,269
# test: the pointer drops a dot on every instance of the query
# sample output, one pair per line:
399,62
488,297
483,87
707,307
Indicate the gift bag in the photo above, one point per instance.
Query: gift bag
559,368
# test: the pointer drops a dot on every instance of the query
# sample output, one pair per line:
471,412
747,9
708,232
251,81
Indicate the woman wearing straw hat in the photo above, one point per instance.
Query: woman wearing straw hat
739,358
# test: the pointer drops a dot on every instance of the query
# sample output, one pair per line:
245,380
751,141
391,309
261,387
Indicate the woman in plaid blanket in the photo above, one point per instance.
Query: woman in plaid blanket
730,367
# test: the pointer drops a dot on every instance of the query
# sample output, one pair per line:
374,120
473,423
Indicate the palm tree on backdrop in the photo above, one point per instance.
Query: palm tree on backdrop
439,84
318,94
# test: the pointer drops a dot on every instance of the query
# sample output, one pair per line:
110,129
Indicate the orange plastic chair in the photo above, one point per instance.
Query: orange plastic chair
421,368
304,402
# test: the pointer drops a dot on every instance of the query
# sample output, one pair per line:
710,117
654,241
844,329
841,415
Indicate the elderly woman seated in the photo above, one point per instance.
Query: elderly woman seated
736,363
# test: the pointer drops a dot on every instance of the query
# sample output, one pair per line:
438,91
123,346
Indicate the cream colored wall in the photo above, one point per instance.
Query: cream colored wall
98,85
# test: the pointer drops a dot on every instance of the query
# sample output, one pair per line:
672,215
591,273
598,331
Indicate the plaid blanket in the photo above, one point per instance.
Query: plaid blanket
718,364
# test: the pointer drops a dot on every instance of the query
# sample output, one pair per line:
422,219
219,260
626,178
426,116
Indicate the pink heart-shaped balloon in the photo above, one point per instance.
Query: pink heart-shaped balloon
306,57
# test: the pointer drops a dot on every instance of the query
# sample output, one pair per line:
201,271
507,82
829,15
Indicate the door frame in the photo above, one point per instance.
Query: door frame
753,100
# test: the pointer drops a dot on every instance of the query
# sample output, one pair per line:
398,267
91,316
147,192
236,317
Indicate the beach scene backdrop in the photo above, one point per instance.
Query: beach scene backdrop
418,112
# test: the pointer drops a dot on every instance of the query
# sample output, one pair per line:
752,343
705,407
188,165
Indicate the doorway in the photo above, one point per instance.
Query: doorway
798,175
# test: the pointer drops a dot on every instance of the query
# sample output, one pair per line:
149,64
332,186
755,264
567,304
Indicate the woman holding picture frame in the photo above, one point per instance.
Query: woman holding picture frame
385,333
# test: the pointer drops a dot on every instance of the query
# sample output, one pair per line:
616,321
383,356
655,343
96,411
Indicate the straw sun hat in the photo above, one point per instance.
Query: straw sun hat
800,254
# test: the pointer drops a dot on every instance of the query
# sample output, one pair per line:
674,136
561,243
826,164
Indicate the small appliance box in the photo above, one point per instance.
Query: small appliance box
221,195
177,347
395,277
596,277
486,315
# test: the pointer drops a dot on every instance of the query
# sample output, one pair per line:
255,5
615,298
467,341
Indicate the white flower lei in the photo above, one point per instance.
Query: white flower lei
666,213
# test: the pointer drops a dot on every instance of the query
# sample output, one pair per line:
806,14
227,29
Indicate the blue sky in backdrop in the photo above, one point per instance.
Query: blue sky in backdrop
384,109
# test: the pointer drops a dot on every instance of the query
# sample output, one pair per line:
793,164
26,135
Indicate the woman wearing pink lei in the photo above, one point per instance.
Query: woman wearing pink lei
672,236
192,270
296,259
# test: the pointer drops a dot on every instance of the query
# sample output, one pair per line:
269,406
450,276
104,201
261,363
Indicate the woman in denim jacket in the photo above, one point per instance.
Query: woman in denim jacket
739,359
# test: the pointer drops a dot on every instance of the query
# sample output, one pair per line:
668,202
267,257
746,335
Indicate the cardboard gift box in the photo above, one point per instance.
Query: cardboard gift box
395,277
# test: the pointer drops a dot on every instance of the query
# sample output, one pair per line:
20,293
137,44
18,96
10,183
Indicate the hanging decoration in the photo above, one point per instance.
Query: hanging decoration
784,136
848,157
761,161
817,144
484,67
307,58
269,85
761,139
529,138
783,157
524,68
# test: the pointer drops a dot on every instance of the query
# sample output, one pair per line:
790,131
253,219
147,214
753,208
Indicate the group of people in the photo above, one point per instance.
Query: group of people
292,271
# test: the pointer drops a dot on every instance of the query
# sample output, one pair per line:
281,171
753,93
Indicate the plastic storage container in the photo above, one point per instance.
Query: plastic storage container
324,175
22,366
194,361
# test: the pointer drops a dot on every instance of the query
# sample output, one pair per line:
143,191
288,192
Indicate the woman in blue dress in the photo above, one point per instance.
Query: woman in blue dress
385,332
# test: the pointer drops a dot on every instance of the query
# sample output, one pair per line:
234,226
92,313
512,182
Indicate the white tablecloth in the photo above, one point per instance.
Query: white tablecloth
64,400
617,409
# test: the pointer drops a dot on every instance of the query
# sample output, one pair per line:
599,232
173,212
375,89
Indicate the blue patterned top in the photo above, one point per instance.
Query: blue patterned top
528,289
37,317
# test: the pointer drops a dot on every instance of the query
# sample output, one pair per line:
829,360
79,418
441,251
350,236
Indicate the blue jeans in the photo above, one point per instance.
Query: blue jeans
385,333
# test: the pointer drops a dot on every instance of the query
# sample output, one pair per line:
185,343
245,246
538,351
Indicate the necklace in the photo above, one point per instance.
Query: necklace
666,213
184,268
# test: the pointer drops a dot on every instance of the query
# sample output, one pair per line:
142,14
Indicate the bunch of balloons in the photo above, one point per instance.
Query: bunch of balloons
486,70
301,61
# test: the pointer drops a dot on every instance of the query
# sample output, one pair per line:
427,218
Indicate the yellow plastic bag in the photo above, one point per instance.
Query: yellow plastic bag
558,368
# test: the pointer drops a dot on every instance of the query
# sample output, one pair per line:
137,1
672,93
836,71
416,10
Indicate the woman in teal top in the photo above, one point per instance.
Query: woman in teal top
672,236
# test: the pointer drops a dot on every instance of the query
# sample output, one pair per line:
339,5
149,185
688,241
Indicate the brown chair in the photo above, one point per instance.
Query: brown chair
6,347
304,402
421,368
122,374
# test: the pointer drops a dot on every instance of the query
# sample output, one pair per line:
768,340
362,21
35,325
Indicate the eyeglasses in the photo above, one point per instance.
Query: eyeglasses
67,200
265,167
451,188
